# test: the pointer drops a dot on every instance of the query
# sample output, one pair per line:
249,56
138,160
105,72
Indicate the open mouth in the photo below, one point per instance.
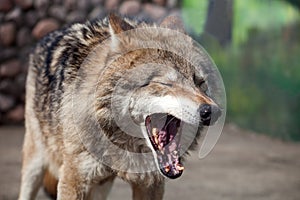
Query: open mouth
164,132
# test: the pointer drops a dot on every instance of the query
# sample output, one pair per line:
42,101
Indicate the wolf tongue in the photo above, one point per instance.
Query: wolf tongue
172,129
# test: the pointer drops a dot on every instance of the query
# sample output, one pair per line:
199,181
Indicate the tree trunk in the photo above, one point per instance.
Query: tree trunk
295,3
219,20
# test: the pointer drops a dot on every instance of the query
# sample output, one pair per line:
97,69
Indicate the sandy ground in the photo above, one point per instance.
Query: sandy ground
242,165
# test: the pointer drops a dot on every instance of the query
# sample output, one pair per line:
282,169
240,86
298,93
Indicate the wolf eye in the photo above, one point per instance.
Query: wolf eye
200,83
198,80
203,87
145,84
166,84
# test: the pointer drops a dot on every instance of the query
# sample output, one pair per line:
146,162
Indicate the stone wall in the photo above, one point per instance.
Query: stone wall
24,22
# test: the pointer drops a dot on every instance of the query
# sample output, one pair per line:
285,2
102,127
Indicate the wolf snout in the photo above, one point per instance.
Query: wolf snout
209,114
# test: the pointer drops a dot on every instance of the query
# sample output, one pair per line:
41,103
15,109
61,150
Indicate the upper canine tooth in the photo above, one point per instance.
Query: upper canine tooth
156,139
154,131
167,169
155,135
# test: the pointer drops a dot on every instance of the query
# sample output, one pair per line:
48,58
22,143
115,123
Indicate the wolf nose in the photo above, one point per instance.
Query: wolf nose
209,114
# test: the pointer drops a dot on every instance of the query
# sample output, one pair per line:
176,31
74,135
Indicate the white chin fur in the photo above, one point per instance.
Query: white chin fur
180,107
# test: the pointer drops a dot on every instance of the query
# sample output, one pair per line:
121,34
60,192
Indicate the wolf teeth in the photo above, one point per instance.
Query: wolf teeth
179,167
167,169
155,135
160,148
154,131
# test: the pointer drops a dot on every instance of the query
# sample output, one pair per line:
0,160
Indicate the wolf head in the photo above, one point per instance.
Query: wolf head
154,86
170,109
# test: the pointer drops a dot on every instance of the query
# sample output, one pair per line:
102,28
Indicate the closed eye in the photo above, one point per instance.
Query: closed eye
200,83
148,83
145,84
198,80
203,87
166,84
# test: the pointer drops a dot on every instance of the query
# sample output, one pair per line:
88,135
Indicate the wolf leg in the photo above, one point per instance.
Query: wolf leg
76,177
32,169
50,184
101,191
153,192
71,185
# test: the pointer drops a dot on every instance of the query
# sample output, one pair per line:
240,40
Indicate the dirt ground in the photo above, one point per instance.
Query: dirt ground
242,165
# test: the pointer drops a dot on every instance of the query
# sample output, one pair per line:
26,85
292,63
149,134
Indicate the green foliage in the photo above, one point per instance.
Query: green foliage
248,16
260,15
262,80
194,14
261,70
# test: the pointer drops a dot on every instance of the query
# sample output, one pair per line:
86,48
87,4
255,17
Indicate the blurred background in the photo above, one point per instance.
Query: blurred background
256,46
254,43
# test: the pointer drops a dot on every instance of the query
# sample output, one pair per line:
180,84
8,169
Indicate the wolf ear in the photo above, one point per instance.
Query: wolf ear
117,24
173,22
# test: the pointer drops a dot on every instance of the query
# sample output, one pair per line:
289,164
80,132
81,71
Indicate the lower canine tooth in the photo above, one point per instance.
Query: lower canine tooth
156,140
179,167
167,169
160,148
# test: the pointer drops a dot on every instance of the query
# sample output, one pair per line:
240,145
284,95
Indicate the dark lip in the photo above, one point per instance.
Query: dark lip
206,122
163,132
212,119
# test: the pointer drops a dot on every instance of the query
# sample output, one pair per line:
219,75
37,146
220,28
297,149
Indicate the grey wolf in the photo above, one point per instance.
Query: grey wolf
72,134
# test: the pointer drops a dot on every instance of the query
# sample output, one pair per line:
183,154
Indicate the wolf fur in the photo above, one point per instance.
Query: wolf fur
60,90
